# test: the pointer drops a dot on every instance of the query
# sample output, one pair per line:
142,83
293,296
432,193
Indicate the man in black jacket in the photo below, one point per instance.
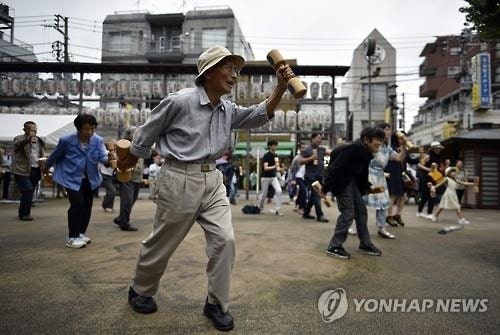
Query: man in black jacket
347,179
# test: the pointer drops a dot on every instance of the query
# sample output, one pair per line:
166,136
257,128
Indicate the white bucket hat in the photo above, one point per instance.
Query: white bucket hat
436,145
214,55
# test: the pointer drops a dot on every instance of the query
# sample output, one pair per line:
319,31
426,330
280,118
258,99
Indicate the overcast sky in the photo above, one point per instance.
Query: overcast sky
322,32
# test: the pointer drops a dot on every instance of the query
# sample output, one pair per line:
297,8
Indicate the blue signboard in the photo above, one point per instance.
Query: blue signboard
485,81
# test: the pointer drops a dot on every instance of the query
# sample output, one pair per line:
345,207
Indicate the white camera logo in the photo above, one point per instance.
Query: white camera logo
332,305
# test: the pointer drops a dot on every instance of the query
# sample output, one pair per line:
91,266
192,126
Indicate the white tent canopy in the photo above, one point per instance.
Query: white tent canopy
50,127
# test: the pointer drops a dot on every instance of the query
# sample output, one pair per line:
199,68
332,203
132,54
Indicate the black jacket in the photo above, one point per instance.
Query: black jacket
348,162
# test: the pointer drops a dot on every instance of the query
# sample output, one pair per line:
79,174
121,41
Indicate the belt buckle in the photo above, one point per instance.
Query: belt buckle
205,167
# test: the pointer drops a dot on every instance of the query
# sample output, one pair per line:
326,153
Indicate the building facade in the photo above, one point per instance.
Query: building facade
379,82
448,87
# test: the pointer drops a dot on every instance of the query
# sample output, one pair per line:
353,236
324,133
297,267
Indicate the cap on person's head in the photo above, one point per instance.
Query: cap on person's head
449,169
212,56
436,145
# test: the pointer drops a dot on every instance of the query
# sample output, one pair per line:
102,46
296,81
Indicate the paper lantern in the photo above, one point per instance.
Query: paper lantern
124,87
39,88
88,87
99,87
27,86
111,88
291,120
158,89
5,86
74,87
62,86
326,90
146,90
16,86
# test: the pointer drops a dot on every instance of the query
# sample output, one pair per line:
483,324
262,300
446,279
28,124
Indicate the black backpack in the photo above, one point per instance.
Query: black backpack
250,209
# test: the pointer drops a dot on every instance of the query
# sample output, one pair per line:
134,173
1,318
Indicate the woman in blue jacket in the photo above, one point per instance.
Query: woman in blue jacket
75,160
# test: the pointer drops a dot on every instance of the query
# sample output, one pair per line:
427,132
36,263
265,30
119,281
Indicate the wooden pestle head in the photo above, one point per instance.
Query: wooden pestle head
122,148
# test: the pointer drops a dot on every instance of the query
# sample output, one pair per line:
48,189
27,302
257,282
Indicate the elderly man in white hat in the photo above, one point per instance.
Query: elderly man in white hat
191,128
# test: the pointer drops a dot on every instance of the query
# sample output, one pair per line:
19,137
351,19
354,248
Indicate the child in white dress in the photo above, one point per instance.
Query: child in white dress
449,199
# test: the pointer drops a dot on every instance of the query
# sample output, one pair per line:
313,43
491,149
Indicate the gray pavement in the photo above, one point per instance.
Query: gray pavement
281,271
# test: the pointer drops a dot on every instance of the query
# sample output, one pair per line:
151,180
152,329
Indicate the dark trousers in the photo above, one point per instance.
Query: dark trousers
425,197
314,199
80,208
302,194
351,207
109,198
6,184
460,195
27,186
129,192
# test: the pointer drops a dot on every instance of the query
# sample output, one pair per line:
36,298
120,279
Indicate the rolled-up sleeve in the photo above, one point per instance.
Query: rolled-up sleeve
249,117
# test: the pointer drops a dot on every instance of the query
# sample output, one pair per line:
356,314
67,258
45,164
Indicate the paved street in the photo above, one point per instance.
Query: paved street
280,272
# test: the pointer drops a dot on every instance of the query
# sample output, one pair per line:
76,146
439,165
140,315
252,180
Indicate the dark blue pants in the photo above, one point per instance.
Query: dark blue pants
302,194
27,186
109,198
80,208
314,199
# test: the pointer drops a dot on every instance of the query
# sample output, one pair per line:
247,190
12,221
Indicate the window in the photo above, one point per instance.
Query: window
213,36
120,41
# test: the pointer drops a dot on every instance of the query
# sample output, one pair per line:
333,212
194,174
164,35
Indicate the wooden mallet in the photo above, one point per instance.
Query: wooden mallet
295,86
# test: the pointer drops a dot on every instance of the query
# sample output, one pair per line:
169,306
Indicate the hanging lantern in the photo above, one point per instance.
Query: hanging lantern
314,90
256,91
99,87
315,119
123,87
100,116
326,119
50,86
158,88
16,86
111,88
291,120
144,115
38,86
5,86
88,87
242,91
27,86
62,86
302,120
135,117
135,88
326,90
74,87
278,122
146,89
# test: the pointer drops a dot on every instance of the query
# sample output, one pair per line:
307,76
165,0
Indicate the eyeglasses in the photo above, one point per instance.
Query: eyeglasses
230,68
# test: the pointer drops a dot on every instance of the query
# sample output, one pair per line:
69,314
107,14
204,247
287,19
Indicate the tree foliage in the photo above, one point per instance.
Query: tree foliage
483,16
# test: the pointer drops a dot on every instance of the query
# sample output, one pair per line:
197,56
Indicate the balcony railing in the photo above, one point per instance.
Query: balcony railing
162,45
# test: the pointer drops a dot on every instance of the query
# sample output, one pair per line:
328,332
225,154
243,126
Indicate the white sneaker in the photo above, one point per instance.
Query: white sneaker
75,242
463,221
352,231
278,213
85,239
419,214
431,217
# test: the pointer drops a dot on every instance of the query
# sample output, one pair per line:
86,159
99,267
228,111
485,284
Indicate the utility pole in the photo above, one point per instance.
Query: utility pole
403,111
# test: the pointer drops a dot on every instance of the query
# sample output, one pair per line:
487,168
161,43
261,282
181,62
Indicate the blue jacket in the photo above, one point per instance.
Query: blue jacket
71,161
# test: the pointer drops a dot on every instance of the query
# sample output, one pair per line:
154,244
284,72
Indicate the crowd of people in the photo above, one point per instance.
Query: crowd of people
192,179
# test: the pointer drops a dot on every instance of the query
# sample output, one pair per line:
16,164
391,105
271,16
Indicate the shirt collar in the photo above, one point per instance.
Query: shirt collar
204,100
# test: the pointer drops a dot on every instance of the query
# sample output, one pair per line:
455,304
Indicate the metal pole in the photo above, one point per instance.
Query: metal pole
369,92
80,103
334,137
